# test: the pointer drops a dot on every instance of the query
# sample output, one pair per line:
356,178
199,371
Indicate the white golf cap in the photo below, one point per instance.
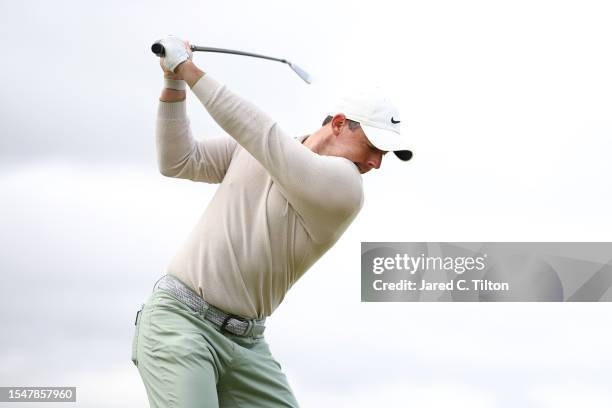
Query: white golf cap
379,119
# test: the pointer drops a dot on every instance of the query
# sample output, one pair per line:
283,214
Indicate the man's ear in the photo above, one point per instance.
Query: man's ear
337,123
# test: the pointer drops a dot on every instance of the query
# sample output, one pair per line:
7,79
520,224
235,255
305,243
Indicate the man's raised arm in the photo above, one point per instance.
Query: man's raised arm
178,153
324,190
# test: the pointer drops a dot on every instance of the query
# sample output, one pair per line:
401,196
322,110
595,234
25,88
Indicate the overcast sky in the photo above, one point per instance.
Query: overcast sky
508,106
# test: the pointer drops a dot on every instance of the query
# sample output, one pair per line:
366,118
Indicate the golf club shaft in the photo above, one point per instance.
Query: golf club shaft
158,49
235,52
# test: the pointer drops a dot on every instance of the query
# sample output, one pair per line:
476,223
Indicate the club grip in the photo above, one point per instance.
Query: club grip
158,50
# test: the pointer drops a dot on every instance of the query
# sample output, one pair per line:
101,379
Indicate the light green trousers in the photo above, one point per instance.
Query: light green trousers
185,361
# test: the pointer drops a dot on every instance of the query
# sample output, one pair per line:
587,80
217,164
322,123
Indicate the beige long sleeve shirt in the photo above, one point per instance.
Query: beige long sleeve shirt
279,206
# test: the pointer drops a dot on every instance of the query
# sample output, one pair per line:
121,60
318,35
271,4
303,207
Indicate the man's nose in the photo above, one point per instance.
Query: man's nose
375,160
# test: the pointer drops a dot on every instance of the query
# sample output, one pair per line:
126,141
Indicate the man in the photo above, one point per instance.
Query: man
282,203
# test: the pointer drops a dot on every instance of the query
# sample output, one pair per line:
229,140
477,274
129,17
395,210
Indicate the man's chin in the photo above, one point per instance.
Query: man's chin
361,170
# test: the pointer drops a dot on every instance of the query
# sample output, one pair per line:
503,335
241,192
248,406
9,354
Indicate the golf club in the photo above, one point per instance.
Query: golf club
158,49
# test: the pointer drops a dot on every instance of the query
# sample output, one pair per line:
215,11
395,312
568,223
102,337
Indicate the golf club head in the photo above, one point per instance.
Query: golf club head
303,74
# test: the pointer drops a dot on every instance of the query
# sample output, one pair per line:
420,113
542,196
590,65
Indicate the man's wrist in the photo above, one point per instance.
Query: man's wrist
172,95
189,72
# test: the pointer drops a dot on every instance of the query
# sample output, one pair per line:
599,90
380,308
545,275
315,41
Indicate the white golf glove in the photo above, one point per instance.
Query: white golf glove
176,52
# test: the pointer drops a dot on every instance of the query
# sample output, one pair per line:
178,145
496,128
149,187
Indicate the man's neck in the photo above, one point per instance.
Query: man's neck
315,142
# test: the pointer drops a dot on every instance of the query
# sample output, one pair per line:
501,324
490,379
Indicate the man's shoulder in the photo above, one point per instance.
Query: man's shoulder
345,168
347,182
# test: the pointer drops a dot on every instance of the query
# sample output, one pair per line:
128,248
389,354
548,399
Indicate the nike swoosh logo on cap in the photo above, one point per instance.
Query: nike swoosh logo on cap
394,121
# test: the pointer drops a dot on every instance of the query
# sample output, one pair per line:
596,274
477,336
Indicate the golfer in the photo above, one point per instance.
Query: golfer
282,202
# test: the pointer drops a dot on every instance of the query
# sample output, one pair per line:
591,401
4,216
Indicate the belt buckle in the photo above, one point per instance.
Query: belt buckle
224,328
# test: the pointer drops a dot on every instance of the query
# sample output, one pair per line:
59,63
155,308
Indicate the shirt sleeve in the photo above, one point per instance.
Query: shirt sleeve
326,191
180,155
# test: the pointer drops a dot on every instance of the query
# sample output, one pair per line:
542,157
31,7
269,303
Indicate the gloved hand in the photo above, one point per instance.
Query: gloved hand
176,52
